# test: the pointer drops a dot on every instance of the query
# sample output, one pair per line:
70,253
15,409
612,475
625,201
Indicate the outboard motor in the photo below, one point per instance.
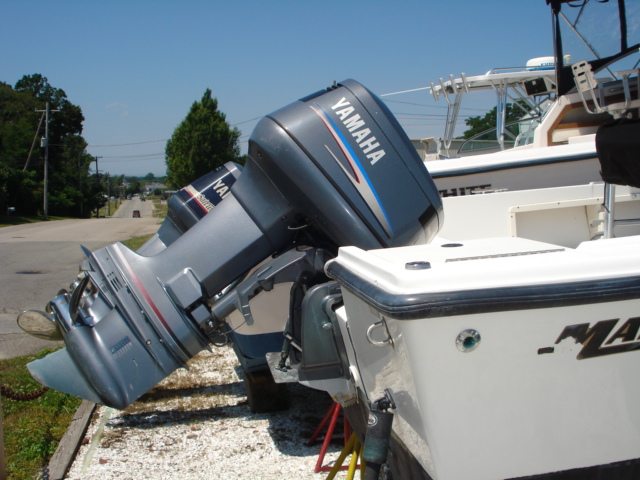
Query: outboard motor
190,204
332,169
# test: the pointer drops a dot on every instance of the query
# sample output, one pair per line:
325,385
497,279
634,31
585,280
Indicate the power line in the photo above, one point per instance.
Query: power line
129,160
413,103
155,154
426,115
137,161
246,121
434,106
165,139
126,144
243,137
35,137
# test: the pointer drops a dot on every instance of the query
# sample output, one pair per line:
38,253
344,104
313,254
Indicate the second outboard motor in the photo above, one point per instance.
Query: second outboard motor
190,204
332,169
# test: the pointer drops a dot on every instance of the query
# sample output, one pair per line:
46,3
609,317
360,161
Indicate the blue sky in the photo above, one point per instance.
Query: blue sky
135,67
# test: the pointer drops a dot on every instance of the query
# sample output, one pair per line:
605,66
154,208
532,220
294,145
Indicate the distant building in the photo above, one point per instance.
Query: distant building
151,187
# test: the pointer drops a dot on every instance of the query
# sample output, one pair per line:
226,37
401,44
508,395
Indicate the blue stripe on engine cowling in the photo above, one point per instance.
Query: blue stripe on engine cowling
336,132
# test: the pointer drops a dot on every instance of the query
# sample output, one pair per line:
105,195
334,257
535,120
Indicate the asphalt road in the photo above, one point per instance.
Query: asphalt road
39,259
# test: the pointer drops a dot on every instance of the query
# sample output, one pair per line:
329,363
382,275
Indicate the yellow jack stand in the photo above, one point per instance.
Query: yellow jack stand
354,448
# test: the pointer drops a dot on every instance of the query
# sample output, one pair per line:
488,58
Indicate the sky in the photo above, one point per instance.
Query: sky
135,67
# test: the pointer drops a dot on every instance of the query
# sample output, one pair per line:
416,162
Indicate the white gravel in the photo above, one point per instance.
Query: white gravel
197,424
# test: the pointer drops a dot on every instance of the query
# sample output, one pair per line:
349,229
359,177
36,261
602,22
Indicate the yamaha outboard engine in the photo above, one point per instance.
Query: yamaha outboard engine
190,204
332,169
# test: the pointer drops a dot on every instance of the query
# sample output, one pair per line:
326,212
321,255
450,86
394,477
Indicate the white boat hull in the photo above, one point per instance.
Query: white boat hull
517,169
548,388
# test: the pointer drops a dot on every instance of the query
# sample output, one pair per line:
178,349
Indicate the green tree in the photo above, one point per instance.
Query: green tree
21,166
18,122
134,185
201,143
67,157
481,124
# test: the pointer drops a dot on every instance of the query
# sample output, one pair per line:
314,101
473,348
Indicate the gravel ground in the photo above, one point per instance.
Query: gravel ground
197,424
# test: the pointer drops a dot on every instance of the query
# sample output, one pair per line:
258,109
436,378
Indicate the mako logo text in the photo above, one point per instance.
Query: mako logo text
601,338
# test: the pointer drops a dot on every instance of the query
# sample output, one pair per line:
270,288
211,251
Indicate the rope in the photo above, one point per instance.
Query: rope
21,397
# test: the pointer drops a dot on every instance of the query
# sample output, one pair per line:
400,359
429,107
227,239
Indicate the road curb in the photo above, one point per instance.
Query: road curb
68,446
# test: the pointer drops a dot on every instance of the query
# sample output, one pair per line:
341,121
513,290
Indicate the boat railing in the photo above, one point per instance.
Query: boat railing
527,68
595,94
528,88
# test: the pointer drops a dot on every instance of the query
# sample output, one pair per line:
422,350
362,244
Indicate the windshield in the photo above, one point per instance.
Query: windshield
591,29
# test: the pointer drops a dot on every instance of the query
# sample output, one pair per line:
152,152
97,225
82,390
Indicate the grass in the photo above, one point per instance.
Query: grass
136,242
160,211
160,208
33,429
11,220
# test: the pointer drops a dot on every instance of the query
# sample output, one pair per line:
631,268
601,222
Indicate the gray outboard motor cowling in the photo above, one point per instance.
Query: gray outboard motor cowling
190,204
334,168
375,192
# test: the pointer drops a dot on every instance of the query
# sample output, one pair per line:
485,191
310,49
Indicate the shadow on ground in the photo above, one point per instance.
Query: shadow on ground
189,397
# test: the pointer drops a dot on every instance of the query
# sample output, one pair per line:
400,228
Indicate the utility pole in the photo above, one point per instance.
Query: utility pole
46,159
108,195
80,182
97,188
